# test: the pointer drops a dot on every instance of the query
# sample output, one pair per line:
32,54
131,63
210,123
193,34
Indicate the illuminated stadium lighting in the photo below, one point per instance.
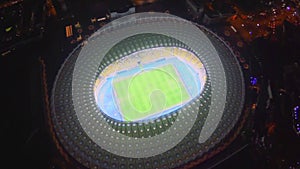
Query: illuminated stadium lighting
148,90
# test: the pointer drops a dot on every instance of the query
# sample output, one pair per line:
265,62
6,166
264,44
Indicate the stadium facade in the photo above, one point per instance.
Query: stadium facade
173,136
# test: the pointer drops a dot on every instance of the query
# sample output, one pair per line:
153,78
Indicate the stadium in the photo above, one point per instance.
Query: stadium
149,90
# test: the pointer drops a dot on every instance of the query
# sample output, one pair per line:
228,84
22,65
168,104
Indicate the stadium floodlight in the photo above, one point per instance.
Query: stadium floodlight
147,90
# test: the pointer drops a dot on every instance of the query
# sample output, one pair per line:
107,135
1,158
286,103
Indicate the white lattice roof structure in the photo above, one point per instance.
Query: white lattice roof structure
97,141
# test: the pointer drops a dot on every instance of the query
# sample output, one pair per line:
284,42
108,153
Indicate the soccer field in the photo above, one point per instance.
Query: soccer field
149,92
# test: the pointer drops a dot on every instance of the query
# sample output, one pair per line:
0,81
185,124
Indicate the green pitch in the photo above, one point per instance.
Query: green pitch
149,92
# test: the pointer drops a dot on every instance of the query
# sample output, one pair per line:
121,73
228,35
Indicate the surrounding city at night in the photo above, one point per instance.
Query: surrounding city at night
200,84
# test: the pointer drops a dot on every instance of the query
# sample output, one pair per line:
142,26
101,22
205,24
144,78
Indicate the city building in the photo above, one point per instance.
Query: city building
196,7
216,12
